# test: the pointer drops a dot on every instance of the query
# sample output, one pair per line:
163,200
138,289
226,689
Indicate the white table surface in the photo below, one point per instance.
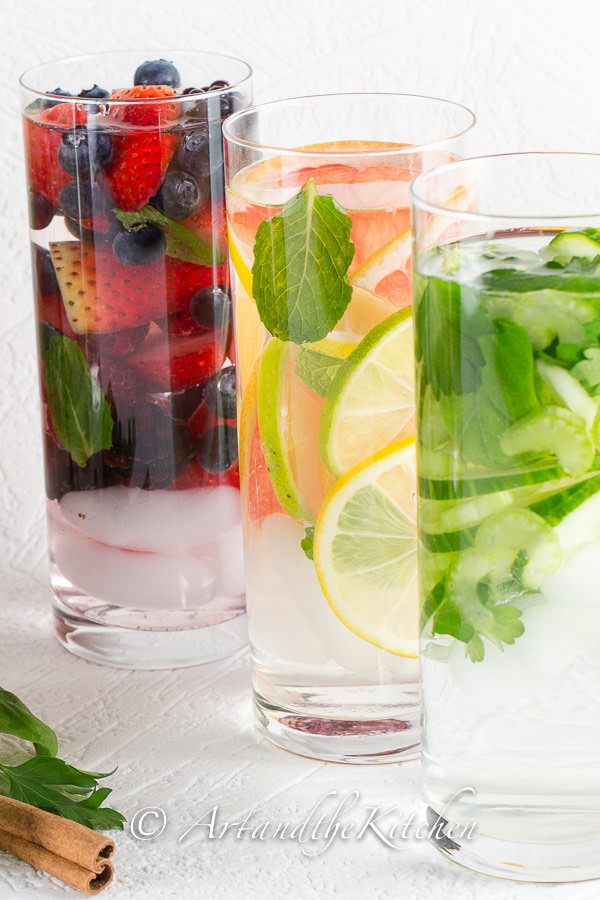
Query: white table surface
183,740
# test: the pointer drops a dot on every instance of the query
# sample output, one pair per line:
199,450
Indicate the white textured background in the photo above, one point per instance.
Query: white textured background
184,740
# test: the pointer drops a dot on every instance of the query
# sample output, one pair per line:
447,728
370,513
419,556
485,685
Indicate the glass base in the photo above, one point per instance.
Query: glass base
342,740
541,861
139,648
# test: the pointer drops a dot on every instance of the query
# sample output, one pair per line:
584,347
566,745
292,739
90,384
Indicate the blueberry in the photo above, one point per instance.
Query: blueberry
220,396
44,276
141,247
217,448
181,195
157,71
211,307
41,211
149,448
193,153
95,92
81,200
85,150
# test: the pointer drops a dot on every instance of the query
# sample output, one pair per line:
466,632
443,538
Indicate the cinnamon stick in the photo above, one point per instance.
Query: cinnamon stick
77,855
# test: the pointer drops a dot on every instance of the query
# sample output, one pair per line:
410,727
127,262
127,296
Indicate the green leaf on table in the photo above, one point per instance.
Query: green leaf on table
182,243
80,413
301,260
316,369
49,783
18,720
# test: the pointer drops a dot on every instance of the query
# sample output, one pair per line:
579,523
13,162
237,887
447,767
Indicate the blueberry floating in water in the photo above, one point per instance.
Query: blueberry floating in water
220,395
82,200
41,211
217,448
157,71
180,195
85,150
141,247
210,307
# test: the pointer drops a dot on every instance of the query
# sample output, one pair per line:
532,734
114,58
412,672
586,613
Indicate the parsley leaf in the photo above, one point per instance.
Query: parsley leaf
301,259
182,243
80,413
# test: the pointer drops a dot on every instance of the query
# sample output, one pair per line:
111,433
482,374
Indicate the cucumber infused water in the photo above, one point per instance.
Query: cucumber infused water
508,377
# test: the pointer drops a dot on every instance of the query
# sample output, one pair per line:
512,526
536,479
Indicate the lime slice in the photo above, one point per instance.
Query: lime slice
365,549
552,430
370,403
288,421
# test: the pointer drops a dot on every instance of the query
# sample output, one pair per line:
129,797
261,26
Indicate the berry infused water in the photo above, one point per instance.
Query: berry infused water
136,360
508,363
320,245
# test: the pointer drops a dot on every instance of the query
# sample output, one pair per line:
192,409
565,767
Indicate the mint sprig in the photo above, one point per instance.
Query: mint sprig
316,369
80,413
46,782
182,243
301,259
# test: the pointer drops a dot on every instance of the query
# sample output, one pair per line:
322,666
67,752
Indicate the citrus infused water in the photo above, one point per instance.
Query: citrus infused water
321,255
508,371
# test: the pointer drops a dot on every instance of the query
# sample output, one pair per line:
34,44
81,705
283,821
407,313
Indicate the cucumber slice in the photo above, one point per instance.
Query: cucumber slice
570,391
573,243
459,488
514,532
545,314
558,506
552,430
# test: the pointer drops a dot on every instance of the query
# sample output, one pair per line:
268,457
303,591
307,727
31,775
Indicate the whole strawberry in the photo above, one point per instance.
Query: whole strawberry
143,145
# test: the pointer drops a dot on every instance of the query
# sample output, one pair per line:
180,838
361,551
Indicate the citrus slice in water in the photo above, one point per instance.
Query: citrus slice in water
288,421
370,403
365,549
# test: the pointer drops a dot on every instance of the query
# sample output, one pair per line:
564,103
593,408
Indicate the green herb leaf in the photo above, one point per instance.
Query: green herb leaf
49,783
80,412
572,278
181,242
301,259
308,540
449,323
316,369
16,719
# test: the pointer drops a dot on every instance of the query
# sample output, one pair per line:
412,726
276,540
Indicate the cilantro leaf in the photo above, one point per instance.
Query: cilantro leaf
317,370
182,243
16,719
80,413
448,325
301,258
507,392
49,783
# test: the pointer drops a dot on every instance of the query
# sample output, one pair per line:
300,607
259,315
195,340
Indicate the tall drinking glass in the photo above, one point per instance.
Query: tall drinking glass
124,165
507,319
318,218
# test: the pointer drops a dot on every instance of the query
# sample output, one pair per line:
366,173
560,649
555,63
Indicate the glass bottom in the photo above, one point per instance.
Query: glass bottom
539,861
138,646
343,737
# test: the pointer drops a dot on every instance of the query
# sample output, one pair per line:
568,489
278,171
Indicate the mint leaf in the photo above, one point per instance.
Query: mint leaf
80,412
16,719
588,370
301,257
307,541
181,242
570,278
49,783
316,369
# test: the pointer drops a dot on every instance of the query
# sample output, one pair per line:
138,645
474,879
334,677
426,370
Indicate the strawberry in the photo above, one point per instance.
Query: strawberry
185,278
43,134
173,363
142,155
100,293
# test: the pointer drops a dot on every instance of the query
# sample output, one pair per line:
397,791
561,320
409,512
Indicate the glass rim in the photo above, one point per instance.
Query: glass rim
151,52
442,208
404,150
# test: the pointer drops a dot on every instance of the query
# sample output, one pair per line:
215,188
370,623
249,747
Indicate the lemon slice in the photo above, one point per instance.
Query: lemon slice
387,273
365,549
370,403
288,422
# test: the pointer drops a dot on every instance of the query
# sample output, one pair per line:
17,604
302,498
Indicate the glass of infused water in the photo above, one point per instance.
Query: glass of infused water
124,164
320,250
507,323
